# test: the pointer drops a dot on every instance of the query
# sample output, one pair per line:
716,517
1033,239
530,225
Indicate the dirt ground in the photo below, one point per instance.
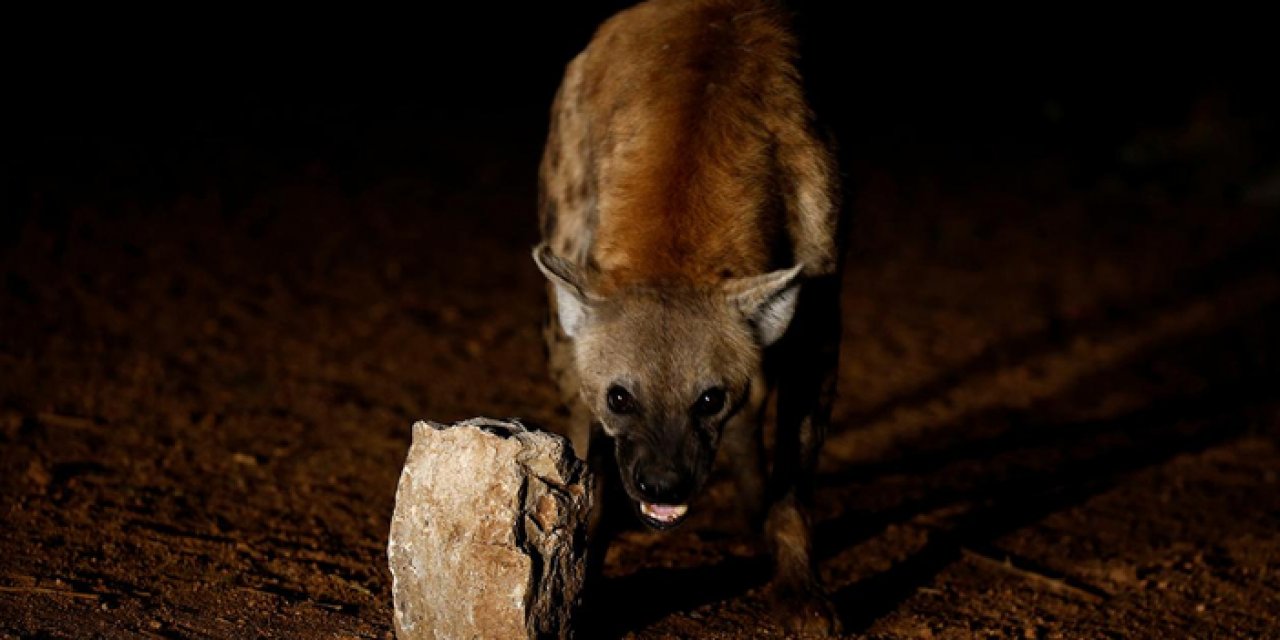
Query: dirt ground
1058,412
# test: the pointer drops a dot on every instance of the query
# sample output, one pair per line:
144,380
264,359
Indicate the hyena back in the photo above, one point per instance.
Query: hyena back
689,213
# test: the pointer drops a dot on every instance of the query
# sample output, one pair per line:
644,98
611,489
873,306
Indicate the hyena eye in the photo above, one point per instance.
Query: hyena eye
710,402
620,401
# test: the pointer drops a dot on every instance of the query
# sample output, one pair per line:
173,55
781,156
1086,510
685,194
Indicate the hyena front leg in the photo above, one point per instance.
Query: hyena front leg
582,430
742,450
806,385
589,443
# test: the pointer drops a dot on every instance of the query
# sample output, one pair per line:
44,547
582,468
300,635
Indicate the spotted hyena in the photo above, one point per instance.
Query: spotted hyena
689,214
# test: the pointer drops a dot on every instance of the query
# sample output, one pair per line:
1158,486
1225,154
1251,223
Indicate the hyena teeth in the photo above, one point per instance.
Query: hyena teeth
664,512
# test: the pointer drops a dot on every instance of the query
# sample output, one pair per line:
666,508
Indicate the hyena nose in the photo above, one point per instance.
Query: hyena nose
662,486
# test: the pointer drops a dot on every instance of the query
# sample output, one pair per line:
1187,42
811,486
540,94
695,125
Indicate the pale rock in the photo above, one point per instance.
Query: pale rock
488,538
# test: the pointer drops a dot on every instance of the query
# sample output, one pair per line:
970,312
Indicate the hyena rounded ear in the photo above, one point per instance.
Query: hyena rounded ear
572,298
768,301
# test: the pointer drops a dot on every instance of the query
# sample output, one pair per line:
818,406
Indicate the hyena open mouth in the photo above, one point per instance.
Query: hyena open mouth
662,516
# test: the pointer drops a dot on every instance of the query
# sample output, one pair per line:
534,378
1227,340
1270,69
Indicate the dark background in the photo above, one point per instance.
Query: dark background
231,97
241,252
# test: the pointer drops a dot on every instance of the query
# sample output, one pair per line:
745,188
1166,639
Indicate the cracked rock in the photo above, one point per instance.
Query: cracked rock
488,538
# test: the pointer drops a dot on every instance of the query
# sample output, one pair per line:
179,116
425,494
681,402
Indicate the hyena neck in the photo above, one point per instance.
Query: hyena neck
650,268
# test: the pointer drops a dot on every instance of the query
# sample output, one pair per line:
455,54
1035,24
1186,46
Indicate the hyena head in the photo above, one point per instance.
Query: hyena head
665,368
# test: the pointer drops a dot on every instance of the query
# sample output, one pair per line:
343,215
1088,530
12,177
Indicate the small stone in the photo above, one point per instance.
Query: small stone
488,537
39,475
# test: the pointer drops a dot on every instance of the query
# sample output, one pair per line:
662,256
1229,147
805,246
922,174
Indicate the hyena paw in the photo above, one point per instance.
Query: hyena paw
805,611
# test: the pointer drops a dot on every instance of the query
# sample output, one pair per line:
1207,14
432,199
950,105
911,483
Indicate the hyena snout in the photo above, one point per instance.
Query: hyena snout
662,484
661,492
659,485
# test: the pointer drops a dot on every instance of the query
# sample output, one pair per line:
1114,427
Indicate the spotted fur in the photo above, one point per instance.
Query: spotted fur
682,180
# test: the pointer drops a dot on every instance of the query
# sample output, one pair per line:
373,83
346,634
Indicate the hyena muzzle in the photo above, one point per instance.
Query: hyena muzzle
690,221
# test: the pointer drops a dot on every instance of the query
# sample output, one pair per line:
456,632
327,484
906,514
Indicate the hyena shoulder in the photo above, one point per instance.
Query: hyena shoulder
681,150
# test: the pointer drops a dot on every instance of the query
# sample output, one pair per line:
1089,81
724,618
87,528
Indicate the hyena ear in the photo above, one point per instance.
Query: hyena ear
768,301
572,298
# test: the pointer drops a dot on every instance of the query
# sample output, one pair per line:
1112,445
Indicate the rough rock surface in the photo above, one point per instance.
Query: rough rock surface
488,538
